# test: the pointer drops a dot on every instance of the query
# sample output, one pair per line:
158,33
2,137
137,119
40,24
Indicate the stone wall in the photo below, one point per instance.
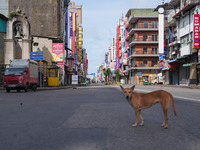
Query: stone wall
45,16
43,45
2,48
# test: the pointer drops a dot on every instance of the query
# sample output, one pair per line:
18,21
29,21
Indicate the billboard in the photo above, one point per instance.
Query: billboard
71,23
125,58
57,52
196,31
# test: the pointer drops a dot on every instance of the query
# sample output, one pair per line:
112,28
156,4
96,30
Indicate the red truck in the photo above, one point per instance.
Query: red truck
22,74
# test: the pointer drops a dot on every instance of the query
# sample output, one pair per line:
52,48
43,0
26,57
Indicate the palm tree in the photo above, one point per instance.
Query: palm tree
117,74
108,72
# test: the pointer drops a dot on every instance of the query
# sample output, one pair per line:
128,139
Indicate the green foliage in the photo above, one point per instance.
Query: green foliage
117,74
107,73
12,14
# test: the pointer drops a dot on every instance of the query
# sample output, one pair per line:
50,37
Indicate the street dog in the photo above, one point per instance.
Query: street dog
140,101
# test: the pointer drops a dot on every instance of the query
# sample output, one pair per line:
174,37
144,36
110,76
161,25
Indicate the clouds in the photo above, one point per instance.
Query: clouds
100,22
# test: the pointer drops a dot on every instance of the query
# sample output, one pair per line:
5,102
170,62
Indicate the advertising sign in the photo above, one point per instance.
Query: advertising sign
196,31
139,73
125,58
61,65
74,79
199,55
160,56
71,23
117,63
57,52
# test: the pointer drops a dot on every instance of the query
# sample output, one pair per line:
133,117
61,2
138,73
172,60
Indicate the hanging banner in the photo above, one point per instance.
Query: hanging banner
196,31
71,23
125,58
57,52
117,63
199,55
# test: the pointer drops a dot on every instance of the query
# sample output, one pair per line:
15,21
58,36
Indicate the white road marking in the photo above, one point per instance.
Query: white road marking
179,97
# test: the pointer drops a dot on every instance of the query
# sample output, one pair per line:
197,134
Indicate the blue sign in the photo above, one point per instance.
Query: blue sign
160,56
36,55
36,58
92,74
139,73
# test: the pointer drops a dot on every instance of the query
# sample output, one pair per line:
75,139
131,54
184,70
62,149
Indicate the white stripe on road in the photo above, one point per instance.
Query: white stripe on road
185,98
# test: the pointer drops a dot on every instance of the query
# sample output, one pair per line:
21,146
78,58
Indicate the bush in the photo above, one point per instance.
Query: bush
12,14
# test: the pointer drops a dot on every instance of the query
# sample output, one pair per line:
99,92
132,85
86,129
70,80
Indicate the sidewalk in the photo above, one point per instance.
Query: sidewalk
47,88
166,85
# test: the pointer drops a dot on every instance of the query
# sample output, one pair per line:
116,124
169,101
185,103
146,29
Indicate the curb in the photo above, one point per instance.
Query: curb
47,88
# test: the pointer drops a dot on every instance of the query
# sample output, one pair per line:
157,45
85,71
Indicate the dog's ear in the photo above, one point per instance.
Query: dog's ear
121,87
132,88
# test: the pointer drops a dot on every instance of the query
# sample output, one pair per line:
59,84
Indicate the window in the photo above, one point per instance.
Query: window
153,63
154,24
35,44
145,50
144,37
154,37
154,50
145,63
146,24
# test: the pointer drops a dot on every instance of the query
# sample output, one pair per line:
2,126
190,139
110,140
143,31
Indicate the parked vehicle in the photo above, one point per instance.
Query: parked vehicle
157,79
22,74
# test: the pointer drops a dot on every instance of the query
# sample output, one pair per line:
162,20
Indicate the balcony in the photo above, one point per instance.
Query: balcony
142,40
186,6
141,28
174,41
141,66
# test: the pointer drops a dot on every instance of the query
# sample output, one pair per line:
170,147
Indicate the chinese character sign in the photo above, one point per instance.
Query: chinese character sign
196,31
57,52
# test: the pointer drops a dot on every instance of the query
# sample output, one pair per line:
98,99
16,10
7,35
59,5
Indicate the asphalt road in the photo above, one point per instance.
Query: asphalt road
95,118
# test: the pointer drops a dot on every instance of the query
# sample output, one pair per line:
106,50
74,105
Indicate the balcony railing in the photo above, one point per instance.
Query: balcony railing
144,65
133,29
142,40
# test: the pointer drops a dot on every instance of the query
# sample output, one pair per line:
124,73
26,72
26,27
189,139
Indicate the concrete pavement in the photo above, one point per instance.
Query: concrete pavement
71,86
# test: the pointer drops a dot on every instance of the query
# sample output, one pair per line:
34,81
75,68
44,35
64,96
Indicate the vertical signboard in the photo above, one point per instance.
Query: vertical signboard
71,23
117,63
125,58
199,55
196,31
57,52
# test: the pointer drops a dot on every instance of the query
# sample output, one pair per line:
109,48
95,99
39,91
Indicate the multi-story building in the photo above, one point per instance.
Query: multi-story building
143,45
76,37
183,54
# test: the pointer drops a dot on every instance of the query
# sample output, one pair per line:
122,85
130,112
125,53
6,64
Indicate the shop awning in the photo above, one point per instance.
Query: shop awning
181,57
187,65
171,61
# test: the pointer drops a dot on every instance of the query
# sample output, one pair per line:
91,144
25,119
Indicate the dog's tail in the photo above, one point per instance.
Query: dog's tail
172,103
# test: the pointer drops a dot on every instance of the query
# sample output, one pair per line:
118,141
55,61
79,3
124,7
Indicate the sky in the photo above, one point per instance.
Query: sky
99,23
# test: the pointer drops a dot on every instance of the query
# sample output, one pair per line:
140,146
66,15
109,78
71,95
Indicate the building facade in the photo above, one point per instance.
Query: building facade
182,54
143,45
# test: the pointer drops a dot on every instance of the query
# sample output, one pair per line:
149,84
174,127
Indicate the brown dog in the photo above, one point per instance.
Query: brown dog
140,101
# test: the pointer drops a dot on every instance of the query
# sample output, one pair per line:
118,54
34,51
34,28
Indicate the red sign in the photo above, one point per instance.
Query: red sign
196,31
125,58
57,52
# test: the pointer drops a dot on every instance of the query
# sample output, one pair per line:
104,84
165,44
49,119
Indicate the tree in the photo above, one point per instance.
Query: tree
108,72
117,74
